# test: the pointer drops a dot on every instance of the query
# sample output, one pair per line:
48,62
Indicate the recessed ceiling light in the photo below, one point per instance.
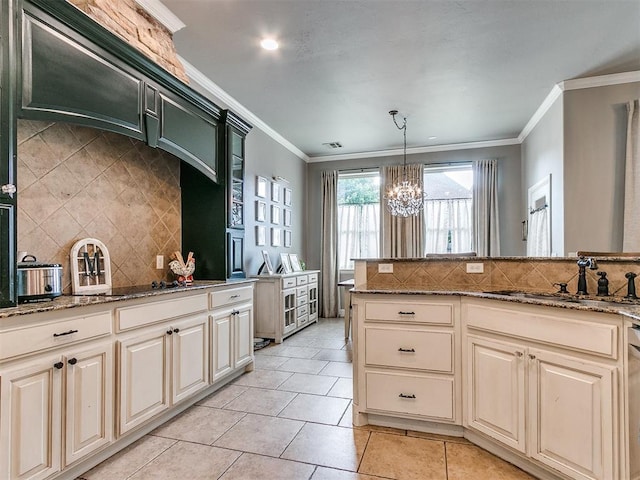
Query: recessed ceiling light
432,138
269,44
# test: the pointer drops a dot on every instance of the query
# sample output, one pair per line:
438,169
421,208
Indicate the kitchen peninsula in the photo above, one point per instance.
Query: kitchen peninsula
531,375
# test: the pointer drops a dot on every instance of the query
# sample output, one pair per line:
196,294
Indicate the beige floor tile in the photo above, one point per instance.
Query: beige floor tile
342,388
404,458
260,434
306,383
303,365
338,369
130,460
188,460
334,355
439,438
328,446
223,396
347,417
293,352
324,473
299,340
261,401
469,461
329,343
258,467
269,362
262,379
199,425
315,408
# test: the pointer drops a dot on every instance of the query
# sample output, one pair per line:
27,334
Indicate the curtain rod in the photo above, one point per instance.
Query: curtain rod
534,210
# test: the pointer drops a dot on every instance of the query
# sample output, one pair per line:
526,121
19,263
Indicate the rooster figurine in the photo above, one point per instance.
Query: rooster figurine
181,269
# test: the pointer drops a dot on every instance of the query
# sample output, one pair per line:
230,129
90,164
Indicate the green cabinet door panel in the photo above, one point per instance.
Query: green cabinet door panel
7,249
66,79
235,253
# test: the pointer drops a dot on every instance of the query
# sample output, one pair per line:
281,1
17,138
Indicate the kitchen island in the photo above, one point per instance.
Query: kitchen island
533,376
82,377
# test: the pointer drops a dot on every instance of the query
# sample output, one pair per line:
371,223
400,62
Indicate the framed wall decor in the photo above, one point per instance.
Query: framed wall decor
295,263
287,197
266,263
275,214
261,235
287,217
286,264
287,238
275,192
275,237
261,186
261,211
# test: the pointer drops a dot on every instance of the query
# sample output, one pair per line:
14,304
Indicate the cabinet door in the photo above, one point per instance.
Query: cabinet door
7,249
221,357
31,419
243,330
572,410
235,253
495,390
144,374
289,310
89,400
190,357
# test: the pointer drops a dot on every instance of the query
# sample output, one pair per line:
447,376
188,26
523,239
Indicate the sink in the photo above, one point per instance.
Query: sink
564,298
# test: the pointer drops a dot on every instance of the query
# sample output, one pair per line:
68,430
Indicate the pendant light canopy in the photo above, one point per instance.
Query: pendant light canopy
404,198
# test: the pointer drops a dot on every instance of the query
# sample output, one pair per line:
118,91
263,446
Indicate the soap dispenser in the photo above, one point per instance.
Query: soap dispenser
603,285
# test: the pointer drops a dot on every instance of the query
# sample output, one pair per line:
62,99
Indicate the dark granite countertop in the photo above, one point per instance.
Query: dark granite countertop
117,295
615,305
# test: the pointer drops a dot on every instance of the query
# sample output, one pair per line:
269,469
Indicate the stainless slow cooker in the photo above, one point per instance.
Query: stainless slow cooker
38,281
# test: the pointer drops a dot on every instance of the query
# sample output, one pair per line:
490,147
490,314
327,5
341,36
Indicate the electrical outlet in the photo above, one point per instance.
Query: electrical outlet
475,267
385,268
159,262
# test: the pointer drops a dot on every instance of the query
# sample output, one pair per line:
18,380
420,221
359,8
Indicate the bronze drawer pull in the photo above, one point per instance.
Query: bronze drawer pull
406,313
65,333
407,350
234,296
404,395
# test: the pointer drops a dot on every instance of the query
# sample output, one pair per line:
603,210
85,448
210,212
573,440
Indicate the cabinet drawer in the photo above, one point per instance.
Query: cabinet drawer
229,296
301,291
419,349
301,300
157,311
288,282
313,278
300,311
65,332
411,394
532,324
432,313
302,280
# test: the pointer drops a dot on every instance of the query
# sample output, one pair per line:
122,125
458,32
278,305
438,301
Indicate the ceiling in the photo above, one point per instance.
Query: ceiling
461,71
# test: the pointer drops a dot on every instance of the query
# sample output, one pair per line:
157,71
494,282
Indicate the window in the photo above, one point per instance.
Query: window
358,217
448,209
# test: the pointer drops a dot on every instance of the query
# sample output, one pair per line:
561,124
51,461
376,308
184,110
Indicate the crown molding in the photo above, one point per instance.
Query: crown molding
600,81
415,150
201,79
554,94
161,13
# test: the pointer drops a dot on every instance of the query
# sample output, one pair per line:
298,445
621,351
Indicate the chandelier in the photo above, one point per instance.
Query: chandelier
404,198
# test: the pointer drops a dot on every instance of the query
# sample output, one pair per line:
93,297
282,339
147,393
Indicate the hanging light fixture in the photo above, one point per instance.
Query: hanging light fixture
404,198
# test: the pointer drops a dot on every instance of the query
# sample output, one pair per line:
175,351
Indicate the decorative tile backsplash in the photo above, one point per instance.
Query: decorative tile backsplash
522,274
76,182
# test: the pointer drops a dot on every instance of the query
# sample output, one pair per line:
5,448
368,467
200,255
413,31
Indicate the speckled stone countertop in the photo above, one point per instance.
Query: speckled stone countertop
71,301
616,305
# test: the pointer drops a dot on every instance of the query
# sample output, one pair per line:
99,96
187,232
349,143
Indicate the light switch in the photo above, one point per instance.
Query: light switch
159,262
475,267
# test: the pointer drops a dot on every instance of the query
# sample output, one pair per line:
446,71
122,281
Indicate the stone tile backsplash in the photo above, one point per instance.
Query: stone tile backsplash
76,182
522,274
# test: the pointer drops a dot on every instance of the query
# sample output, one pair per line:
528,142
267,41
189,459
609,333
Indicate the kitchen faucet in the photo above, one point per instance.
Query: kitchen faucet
583,263
631,286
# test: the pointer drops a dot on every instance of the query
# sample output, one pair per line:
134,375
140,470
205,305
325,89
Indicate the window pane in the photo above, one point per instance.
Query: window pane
448,209
358,217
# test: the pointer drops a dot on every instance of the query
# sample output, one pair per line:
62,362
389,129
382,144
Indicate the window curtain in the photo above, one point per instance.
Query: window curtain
401,237
631,232
358,229
485,208
329,253
448,228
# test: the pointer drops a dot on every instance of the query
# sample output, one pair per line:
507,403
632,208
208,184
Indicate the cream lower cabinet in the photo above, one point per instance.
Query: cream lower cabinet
231,330
64,396
161,366
407,358
555,405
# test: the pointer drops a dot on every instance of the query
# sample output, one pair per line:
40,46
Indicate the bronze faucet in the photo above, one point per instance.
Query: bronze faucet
583,263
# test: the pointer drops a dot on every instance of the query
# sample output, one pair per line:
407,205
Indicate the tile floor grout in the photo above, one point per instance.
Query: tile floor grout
296,434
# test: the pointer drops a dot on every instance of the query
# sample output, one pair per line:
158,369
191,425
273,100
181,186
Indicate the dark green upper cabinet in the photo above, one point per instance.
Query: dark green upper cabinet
65,78
74,70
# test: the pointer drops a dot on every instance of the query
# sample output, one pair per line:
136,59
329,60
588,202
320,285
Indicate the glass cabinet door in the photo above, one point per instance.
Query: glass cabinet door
236,180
